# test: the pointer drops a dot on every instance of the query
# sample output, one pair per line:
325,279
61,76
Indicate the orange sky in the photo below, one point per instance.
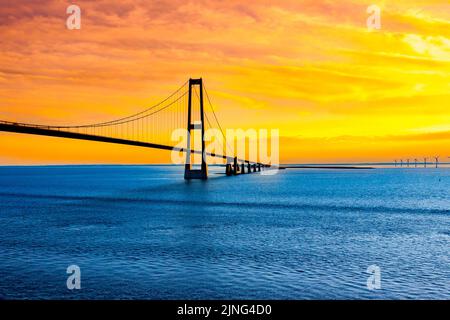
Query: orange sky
336,91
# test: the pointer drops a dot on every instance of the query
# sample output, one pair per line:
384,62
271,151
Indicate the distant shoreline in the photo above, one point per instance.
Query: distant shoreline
325,167
367,165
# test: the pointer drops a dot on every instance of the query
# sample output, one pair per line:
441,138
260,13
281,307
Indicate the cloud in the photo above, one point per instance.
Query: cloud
434,47
304,66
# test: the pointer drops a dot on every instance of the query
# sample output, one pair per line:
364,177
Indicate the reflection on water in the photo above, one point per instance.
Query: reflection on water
143,232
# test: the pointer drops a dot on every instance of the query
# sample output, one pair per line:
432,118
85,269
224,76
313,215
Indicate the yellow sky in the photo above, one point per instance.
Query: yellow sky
336,91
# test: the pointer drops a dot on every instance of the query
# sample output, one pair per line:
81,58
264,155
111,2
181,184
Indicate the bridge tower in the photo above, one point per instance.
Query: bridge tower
190,173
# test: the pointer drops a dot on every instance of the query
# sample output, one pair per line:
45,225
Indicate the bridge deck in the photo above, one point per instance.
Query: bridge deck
42,131
81,136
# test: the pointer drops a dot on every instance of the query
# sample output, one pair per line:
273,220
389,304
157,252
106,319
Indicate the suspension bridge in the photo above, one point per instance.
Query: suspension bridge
153,127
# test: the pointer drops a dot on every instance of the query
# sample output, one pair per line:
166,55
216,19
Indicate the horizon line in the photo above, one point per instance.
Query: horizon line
281,164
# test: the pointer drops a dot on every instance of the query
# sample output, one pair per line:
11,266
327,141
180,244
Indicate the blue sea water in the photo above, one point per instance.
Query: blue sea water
142,232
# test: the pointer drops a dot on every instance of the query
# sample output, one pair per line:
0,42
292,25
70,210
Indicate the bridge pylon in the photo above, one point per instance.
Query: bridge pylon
190,173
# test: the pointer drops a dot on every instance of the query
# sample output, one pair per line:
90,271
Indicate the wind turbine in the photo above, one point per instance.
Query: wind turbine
437,160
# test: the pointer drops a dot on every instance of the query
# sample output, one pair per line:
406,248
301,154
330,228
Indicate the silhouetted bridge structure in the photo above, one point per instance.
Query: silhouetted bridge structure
153,128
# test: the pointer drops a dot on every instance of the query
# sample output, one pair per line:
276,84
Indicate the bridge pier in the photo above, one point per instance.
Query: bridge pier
243,167
249,167
229,170
259,167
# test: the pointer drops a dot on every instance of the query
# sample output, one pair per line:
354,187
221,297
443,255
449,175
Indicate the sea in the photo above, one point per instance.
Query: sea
143,232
